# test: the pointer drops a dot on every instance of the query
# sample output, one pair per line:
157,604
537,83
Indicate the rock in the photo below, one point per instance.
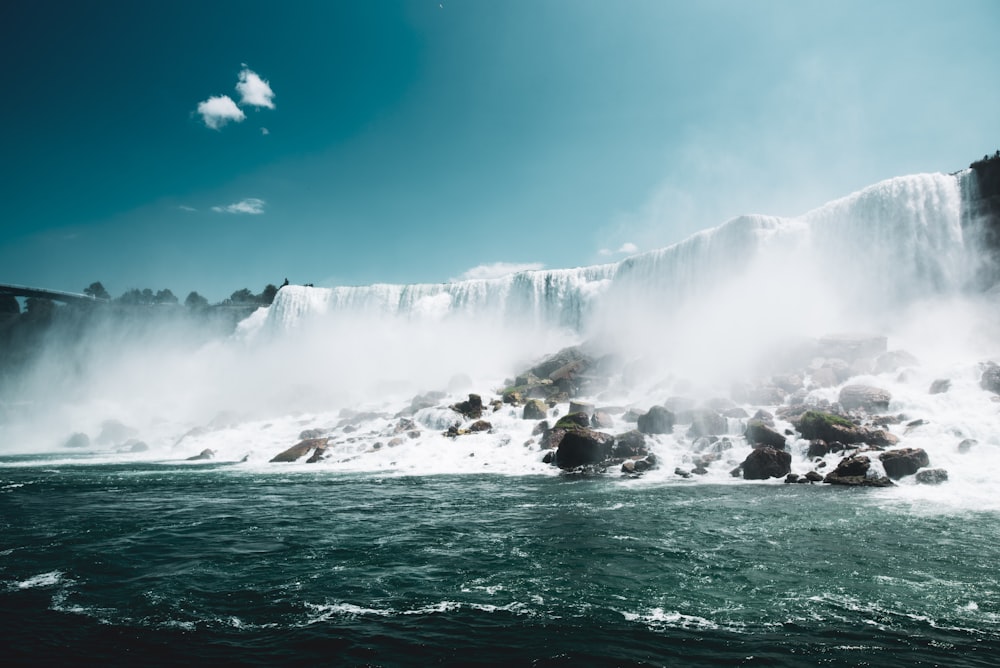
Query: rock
302,448
534,409
513,397
812,476
425,400
864,398
207,453
311,433
706,422
601,420
853,472
471,409
758,433
573,421
932,476
903,462
479,425
791,477
77,440
541,428
658,420
791,382
682,473
134,445
940,386
828,427
581,407
630,444
966,445
582,447
990,380
766,462
820,448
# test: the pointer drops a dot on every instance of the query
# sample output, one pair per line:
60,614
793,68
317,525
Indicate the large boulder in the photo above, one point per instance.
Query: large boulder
817,425
990,380
853,471
766,462
535,409
658,420
864,398
932,476
471,408
301,449
903,462
759,433
583,447
630,444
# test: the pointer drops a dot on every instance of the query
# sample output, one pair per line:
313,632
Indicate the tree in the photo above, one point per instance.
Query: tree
195,301
39,309
164,296
8,304
243,296
97,291
267,297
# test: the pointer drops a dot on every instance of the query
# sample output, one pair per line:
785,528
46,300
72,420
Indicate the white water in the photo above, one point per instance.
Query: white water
895,259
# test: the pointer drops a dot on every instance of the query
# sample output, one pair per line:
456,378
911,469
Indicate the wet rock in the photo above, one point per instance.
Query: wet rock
311,433
534,409
766,462
682,472
853,472
479,425
820,448
816,425
932,476
759,433
581,447
581,407
573,421
864,398
791,382
205,454
471,409
940,386
658,420
513,397
301,449
630,444
965,446
903,462
990,380
77,440
812,476
791,477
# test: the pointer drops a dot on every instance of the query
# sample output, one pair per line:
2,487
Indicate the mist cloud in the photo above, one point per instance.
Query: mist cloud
250,205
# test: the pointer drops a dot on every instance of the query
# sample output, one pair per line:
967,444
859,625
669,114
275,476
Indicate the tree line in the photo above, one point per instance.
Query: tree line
135,296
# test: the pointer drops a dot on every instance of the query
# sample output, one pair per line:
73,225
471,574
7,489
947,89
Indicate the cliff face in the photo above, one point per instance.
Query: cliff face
987,205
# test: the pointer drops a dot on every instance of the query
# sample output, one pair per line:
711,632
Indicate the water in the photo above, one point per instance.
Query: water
407,547
166,563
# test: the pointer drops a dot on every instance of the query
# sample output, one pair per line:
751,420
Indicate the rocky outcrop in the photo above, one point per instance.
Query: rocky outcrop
903,462
817,425
864,398
853,471
583,447
658,420
630,444
534,409
759,433
766,462
205,454
990,380
471,409
301,449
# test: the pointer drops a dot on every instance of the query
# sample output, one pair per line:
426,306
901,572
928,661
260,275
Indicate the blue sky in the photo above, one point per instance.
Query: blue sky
425,141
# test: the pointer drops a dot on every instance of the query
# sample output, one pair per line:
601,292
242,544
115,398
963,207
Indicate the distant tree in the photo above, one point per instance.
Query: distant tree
147,296
131,296
164,296
243,296
195,301
9,304
267,297
97,291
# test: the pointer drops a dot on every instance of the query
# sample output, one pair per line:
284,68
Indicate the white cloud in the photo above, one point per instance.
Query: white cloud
498,269
627,248
250,205
265,131
218,110
254,90
184,207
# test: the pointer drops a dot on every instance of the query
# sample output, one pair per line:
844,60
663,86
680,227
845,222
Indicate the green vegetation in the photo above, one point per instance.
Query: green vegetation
814,420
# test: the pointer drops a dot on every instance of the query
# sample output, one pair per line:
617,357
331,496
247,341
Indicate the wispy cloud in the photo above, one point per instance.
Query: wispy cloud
254,90
627,248
250,205
265,131
218,110
184,207
498,269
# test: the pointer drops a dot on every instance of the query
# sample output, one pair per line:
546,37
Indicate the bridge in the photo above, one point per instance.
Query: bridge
42,293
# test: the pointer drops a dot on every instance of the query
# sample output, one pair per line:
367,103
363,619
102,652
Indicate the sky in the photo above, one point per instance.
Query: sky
213,146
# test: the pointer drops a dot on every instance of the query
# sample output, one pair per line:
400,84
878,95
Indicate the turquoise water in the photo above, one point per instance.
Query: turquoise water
163,563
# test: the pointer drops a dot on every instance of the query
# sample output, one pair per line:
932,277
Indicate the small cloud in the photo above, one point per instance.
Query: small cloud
498,269
250,205
265,131
183,207
604,251
218,110
254,90
628,247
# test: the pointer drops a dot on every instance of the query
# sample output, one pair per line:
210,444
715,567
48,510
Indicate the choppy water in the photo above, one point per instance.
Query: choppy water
159,563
